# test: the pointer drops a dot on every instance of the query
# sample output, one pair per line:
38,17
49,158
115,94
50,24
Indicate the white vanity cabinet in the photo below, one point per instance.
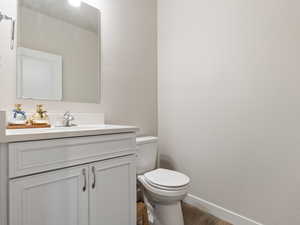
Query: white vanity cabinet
73,181
113,201
50,198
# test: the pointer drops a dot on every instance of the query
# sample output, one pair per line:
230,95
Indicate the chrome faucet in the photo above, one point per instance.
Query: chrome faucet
68,118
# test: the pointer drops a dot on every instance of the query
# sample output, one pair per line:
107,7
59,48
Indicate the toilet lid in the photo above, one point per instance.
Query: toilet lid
167,178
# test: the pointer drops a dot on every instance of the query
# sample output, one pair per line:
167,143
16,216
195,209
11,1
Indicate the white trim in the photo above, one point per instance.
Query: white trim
219,211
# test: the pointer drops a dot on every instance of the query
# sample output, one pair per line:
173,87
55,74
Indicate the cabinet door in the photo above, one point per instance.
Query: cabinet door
113,192
53,198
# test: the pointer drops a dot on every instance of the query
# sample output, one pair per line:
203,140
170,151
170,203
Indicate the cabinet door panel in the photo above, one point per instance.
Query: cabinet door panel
53,198
113,198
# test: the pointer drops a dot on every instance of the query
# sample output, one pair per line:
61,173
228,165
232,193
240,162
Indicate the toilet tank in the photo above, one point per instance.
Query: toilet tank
147,152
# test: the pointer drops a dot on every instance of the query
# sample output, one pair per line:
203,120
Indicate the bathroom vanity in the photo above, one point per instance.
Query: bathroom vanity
66,176
82,175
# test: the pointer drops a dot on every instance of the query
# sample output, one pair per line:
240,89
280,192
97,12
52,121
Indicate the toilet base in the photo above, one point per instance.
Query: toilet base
168,214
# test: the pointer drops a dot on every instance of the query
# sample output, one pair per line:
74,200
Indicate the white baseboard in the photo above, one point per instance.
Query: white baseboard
219,211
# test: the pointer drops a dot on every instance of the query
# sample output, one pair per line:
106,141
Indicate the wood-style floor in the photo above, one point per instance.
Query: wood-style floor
194,216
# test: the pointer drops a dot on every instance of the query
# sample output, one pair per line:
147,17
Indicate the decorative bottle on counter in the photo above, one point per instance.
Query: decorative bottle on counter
40,117
18,116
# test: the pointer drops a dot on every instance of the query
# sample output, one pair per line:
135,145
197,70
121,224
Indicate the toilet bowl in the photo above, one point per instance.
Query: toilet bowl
163,192
163,189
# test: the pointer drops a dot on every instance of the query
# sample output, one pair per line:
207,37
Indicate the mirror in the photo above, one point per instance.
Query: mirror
58,51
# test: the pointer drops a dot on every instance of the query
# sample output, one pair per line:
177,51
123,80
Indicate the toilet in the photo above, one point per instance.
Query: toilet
163,189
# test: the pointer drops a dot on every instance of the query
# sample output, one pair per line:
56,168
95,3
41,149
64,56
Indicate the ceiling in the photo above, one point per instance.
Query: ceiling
86,17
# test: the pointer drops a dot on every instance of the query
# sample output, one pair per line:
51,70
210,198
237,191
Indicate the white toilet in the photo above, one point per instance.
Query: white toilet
163,189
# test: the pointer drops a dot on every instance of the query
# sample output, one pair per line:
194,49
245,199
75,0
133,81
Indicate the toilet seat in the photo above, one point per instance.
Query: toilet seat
166,188
162,191
167,179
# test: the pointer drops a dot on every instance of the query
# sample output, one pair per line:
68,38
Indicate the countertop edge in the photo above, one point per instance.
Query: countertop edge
65,134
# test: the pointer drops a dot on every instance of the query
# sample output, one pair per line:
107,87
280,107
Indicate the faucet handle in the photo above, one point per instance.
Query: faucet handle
68,116
67,113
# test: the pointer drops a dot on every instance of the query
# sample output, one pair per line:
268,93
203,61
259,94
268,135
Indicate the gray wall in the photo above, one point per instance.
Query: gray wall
229,109
129,65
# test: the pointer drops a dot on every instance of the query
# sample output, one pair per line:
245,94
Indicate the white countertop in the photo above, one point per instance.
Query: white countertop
18,135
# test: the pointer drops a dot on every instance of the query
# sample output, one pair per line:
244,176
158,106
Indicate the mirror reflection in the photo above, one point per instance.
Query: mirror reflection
58,54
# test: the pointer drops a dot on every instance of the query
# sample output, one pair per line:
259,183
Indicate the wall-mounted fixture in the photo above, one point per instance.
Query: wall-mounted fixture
75,3
46,75
13,23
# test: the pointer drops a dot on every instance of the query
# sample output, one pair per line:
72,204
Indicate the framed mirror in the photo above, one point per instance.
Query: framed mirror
58,51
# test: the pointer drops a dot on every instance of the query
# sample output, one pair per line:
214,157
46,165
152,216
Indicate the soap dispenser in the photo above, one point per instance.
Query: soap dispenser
40,117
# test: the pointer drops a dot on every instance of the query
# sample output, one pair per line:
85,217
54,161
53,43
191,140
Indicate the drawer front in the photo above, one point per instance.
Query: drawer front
27,158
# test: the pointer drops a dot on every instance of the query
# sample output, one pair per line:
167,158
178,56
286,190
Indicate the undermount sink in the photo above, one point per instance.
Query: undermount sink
83,128
79,127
